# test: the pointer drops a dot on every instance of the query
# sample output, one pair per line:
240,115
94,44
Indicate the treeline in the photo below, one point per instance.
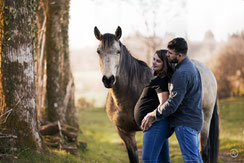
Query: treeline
229,67
36,83
226,59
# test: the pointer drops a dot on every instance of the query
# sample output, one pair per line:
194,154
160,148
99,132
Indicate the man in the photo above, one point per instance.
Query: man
184,106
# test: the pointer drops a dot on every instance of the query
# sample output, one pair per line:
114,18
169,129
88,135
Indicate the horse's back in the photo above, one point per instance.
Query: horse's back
209,85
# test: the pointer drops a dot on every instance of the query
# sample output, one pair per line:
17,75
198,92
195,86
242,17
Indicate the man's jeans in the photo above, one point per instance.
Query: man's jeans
155,143
188,139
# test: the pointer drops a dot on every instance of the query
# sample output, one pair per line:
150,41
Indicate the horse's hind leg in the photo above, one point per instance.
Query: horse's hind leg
130,143
207,112
210,136
204,141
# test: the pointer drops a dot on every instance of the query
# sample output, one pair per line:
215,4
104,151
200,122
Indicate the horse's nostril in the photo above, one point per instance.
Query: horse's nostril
104,79
108,82
112,78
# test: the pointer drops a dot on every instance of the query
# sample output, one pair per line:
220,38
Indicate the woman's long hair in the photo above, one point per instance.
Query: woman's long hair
168,68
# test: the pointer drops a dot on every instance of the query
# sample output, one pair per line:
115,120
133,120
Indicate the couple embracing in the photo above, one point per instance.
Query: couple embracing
171,102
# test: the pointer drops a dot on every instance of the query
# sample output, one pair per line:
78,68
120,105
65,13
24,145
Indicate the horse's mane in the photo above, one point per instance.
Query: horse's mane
137,70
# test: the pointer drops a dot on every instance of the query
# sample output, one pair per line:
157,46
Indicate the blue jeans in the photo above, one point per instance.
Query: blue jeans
188,139
155,143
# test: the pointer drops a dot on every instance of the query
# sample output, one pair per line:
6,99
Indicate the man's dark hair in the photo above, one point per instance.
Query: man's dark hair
179,45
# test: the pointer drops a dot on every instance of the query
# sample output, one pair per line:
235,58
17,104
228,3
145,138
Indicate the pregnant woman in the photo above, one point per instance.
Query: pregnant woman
155,139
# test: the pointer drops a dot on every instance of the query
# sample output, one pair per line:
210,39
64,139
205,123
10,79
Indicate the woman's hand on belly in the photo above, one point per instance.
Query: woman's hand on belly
148,120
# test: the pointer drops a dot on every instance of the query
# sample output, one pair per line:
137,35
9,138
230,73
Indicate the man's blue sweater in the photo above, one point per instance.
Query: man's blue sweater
184,106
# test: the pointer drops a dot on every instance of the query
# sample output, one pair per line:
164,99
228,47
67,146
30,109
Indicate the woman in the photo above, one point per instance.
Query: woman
155,140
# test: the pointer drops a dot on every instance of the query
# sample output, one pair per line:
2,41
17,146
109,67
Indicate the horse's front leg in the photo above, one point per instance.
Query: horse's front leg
130,143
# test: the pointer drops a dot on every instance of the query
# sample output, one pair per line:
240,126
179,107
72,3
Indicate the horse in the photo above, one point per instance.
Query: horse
125,77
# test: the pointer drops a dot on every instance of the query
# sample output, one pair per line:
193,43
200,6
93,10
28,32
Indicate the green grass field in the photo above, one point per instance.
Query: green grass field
231,112
104,145
103,142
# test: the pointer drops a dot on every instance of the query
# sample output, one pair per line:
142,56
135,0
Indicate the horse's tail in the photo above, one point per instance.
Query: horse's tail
213,138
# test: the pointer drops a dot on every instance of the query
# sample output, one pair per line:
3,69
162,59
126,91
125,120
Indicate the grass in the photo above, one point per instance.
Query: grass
57,156
104,145
103,142
232,125
231,112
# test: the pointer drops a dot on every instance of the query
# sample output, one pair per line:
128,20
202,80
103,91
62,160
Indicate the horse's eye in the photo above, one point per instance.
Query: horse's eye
98,51
118,51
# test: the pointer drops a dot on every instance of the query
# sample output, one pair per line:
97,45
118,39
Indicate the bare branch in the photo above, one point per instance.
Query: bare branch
6,113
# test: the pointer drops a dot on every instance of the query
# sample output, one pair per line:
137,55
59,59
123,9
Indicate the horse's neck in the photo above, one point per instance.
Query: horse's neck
123,95
129,87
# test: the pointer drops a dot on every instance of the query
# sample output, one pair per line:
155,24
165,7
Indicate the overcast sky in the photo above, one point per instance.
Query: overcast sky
181,17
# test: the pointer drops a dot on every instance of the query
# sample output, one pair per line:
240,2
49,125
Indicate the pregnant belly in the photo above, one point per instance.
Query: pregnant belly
141,110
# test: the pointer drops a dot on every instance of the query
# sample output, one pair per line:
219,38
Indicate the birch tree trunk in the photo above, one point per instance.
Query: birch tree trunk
60,83
17,70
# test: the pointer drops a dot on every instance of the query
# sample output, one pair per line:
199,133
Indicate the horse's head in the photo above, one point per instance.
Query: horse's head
109,55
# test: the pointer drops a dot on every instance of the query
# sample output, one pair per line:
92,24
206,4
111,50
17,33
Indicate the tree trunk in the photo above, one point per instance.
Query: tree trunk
41,62
17,69
2,97
60,83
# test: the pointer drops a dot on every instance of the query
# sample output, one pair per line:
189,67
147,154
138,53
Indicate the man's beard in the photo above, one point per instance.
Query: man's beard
174,60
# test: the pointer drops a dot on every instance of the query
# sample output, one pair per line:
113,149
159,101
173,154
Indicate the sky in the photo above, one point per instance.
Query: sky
184,18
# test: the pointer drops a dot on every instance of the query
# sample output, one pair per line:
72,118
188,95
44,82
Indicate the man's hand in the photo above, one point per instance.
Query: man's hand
148,120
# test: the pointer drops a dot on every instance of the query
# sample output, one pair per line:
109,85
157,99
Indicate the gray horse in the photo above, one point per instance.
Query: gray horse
125,77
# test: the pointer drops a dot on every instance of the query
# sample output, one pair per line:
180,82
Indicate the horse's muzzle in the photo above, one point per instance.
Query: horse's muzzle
108,82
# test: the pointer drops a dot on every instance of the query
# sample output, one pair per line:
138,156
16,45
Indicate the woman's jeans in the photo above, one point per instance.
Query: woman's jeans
188,139
155,143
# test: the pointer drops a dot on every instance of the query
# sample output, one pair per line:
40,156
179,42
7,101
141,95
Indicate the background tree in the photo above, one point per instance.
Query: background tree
229,67
152,41
2,98
19,114
40,58
60,84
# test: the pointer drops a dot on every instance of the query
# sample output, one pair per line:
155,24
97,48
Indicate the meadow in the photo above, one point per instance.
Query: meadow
103,144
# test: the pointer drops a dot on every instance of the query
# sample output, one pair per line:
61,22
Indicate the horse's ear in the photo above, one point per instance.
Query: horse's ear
118,33
97,33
